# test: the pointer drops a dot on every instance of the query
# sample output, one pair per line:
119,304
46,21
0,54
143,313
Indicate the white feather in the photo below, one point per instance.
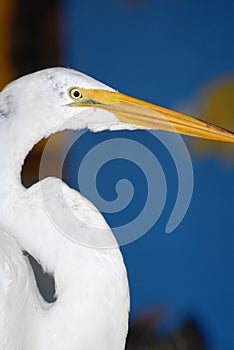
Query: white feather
91,310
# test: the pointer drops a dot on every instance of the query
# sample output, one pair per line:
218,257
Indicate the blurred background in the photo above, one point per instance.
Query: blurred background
175,53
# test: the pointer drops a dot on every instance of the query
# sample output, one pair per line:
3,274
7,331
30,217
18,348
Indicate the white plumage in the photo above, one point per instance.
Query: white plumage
91,310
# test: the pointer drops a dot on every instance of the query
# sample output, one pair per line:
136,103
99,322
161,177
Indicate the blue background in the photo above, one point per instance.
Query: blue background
165,51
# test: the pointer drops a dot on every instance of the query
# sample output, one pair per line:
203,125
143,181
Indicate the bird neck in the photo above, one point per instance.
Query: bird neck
13,151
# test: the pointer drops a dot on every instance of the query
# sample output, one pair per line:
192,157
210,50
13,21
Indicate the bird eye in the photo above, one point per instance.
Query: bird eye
75,94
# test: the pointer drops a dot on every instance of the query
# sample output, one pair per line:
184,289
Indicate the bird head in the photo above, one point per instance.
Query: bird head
42,103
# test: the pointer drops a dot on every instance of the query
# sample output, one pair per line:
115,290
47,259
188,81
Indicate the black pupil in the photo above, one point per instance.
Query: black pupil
76,93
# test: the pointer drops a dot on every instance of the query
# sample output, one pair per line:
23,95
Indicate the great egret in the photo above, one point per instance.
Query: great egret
91,310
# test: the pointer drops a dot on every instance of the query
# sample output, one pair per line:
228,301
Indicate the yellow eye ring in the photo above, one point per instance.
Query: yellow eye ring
75,94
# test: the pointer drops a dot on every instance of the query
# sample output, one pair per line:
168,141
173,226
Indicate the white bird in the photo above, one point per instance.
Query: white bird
91,310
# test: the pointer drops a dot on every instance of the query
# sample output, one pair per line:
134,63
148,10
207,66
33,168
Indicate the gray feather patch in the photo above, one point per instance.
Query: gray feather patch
6,107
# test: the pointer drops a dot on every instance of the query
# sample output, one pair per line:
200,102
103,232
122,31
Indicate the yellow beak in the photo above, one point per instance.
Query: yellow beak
147,115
